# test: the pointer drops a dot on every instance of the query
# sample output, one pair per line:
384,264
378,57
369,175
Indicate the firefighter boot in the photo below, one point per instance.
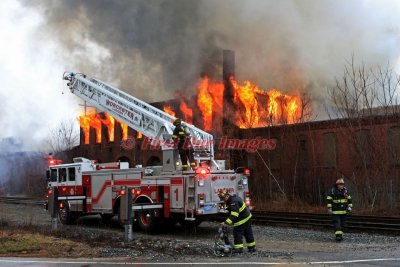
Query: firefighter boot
237,251
339,237
252,249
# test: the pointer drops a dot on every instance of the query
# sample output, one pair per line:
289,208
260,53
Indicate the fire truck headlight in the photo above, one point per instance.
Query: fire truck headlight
244,181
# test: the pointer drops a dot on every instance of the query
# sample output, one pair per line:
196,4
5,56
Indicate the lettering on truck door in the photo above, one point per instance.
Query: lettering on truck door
177,193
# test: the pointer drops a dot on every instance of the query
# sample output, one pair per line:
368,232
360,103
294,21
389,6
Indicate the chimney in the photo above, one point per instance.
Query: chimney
228,70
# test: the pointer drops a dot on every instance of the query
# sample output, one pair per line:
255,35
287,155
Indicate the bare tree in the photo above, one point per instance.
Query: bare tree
361,97
63,137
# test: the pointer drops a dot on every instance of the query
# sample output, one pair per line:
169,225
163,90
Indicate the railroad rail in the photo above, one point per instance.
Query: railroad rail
262,217
354,222
22,200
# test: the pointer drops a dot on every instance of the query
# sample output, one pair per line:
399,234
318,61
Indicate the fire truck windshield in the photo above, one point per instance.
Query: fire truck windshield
53,175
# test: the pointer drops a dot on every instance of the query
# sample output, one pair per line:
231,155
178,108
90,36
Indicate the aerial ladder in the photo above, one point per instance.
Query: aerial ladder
142,117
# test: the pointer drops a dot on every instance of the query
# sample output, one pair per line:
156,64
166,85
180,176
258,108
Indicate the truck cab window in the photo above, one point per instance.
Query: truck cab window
53,175
71,174
62,175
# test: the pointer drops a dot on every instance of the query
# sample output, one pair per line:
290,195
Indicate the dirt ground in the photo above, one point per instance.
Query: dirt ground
25,231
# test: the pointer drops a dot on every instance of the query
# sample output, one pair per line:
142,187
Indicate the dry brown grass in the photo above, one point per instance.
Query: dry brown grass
23,243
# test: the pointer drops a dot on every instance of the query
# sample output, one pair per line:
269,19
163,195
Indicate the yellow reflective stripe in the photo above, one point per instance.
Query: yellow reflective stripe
228,221
339,212
338,233
238,245
350,205
329,197
339,200
184,165
234,213
251,244
242,221
174,136
242,207
193,164
348,197
181,132
329,205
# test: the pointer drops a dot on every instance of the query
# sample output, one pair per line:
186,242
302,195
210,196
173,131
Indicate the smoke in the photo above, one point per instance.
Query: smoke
155,47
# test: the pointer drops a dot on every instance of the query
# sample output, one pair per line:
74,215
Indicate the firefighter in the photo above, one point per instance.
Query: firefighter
240,217
339,205
179,135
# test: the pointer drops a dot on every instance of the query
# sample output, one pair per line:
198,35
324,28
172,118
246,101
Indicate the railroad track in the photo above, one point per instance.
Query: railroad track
22,200
354,222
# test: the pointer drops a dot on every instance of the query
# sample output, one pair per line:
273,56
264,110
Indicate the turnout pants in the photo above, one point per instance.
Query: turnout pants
338,223
246,231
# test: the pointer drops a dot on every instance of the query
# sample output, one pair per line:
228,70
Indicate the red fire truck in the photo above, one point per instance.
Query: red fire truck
160,193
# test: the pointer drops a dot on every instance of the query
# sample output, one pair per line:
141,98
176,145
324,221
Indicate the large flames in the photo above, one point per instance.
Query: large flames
253,107
96,121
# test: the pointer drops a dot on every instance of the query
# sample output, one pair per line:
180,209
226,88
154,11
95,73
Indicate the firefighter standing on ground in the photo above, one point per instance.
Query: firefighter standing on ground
179,135
339,205
240,217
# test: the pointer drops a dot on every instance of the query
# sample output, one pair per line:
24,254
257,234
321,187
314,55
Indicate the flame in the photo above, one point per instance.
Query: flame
169,110
124,131
139,135
85,126
109,121
185,109
90,120
246,94
279,108
209,99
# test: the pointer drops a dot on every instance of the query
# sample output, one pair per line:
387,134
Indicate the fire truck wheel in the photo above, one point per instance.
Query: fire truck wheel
147,220
66,216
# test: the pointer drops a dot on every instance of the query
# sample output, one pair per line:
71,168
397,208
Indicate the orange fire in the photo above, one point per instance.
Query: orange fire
185,109
169,110
124,130
254,107
209,100
91,120
95,121
109,121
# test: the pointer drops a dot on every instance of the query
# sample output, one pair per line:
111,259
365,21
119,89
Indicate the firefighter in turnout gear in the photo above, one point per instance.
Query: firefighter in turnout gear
240,218
179,135
339,205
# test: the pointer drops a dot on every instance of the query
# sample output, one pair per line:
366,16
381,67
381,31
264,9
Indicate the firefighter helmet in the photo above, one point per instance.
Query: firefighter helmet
177,121
222,193
340,181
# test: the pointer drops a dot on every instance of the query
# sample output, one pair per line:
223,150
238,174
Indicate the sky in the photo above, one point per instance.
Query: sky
151,48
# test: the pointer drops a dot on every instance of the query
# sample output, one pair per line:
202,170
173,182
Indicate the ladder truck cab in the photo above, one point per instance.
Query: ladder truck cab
159,193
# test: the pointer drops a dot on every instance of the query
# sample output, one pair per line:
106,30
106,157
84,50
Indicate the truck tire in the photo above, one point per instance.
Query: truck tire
65,216
147,220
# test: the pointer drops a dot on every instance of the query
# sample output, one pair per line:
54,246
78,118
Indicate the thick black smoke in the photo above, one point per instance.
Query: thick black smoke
151,48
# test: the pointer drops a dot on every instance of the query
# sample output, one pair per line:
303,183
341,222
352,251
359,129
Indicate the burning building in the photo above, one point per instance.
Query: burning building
307,158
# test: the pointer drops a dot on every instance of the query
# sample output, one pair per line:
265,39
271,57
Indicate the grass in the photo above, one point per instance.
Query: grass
21,241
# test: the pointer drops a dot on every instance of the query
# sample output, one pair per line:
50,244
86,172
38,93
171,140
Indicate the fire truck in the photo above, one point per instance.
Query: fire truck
160,194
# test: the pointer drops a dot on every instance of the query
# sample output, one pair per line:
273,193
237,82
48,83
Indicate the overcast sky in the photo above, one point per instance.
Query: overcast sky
152,48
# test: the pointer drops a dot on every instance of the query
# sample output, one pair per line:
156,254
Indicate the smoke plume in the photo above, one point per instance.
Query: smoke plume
151,48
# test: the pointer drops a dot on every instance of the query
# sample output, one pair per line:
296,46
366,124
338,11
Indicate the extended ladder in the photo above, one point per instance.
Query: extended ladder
140,116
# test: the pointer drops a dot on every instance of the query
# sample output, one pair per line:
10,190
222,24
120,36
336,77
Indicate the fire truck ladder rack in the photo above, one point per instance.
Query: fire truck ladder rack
138,115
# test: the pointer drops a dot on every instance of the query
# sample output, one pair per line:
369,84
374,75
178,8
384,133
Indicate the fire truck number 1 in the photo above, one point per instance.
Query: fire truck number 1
176,194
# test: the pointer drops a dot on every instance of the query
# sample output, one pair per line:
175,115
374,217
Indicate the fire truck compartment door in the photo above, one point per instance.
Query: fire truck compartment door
101,192
177,196
222,181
